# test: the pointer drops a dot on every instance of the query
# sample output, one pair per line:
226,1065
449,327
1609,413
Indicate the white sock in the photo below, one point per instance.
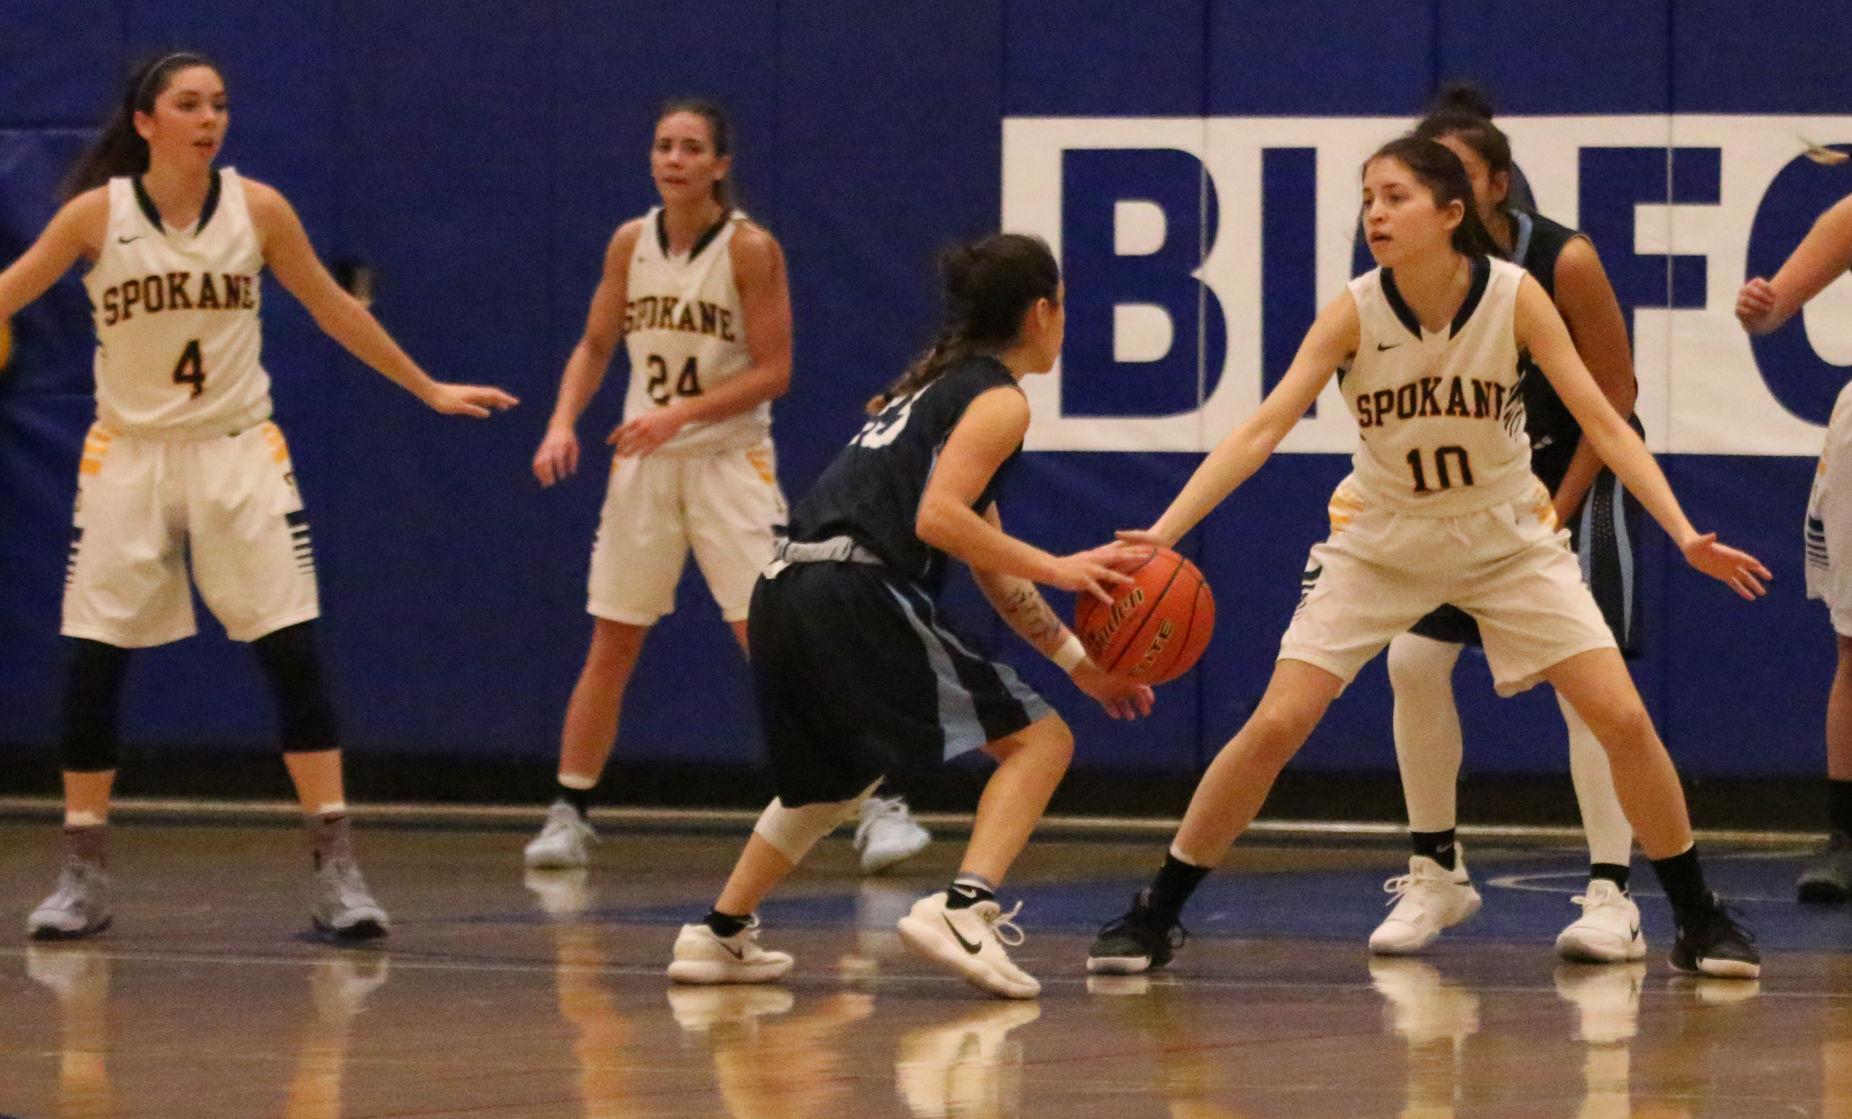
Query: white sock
1427,729
1610,836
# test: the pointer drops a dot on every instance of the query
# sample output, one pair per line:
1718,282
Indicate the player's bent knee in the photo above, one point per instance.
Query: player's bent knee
1623,729
794,831
1420,662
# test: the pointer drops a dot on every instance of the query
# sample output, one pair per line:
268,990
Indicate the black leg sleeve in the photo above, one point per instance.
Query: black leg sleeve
92,706
292,663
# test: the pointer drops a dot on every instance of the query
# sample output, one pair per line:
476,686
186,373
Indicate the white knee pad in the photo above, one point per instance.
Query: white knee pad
794,831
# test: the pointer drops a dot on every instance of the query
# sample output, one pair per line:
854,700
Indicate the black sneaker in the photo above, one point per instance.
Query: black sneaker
1716,945
1828,878
1138,941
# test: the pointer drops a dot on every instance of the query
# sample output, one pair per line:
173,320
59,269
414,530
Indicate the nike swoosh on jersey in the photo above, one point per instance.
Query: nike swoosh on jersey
1380,347
126,240
969,947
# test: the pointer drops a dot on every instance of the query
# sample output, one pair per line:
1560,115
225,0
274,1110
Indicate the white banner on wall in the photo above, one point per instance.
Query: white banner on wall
1700,388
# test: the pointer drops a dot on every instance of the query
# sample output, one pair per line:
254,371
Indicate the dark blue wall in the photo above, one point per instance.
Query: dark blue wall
478,154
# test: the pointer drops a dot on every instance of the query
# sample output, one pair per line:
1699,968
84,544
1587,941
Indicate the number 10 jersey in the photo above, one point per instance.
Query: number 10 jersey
176,313
1439,413
685,331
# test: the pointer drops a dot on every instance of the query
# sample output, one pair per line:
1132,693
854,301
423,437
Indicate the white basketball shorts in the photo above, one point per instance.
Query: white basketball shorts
1828,530
148,510
1508,566
725,506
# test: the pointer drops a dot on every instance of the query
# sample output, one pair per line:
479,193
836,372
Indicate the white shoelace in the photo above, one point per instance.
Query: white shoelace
1005,927
1400,885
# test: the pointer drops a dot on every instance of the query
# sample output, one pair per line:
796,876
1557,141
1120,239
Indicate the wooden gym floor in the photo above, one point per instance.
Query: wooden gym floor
497,998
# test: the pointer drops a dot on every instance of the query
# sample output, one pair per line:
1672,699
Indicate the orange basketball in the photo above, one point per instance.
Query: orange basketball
1158,624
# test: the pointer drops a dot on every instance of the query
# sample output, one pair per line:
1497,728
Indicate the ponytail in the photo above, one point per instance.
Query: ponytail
990,284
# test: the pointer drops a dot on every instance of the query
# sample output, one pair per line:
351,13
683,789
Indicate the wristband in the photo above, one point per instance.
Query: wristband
1070,654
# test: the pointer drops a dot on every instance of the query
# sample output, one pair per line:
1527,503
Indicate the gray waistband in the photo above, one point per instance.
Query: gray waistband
837,549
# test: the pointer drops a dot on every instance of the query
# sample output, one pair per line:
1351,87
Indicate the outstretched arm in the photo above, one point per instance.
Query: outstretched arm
1540,330
74,232
765,302
292,260
1823,256
1329,344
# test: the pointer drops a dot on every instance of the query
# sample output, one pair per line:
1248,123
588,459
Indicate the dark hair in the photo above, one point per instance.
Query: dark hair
1462,109
990,283
120,150
1440,170
719,134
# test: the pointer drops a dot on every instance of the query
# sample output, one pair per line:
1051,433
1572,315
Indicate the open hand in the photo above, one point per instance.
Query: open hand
468,400
1741,571
646,433
1093,571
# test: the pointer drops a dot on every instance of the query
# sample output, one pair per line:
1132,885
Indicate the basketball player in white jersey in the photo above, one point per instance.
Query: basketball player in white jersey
1822,257
698,295
1441,507
1603,520
184,469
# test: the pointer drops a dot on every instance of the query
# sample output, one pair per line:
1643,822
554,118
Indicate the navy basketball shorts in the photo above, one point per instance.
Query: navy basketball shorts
1605,536
856,675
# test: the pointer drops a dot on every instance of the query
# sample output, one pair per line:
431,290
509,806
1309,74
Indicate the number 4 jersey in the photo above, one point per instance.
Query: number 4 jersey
686,332
176,314
1439,413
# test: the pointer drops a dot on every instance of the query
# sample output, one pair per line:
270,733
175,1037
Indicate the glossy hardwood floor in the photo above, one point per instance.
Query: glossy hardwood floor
500,995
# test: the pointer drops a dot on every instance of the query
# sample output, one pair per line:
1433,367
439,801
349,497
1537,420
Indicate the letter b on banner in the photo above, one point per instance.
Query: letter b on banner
1142,331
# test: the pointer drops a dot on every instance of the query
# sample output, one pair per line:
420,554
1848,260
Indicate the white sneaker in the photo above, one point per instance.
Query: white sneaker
888,834
1607,932
703,957
1431,899
564,841
77,908
970,942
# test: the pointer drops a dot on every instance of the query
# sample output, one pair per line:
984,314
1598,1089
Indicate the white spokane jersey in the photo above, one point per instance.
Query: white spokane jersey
686,332
176,315
1441,418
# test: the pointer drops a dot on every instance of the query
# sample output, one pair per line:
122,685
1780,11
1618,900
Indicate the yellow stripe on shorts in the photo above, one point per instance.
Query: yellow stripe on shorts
273,438
1345,503
96,445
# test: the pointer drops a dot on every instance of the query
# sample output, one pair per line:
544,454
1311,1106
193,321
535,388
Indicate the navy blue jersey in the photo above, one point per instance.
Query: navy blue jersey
871,491
1554,432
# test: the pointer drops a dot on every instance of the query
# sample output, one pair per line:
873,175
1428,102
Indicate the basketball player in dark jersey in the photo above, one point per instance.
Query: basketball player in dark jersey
1603,520
855,673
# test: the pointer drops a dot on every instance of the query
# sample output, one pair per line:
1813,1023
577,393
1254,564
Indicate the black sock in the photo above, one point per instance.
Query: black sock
580,799
1839,805
1613,872
1683,881
1176,880
1436,845
725,924
968,889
